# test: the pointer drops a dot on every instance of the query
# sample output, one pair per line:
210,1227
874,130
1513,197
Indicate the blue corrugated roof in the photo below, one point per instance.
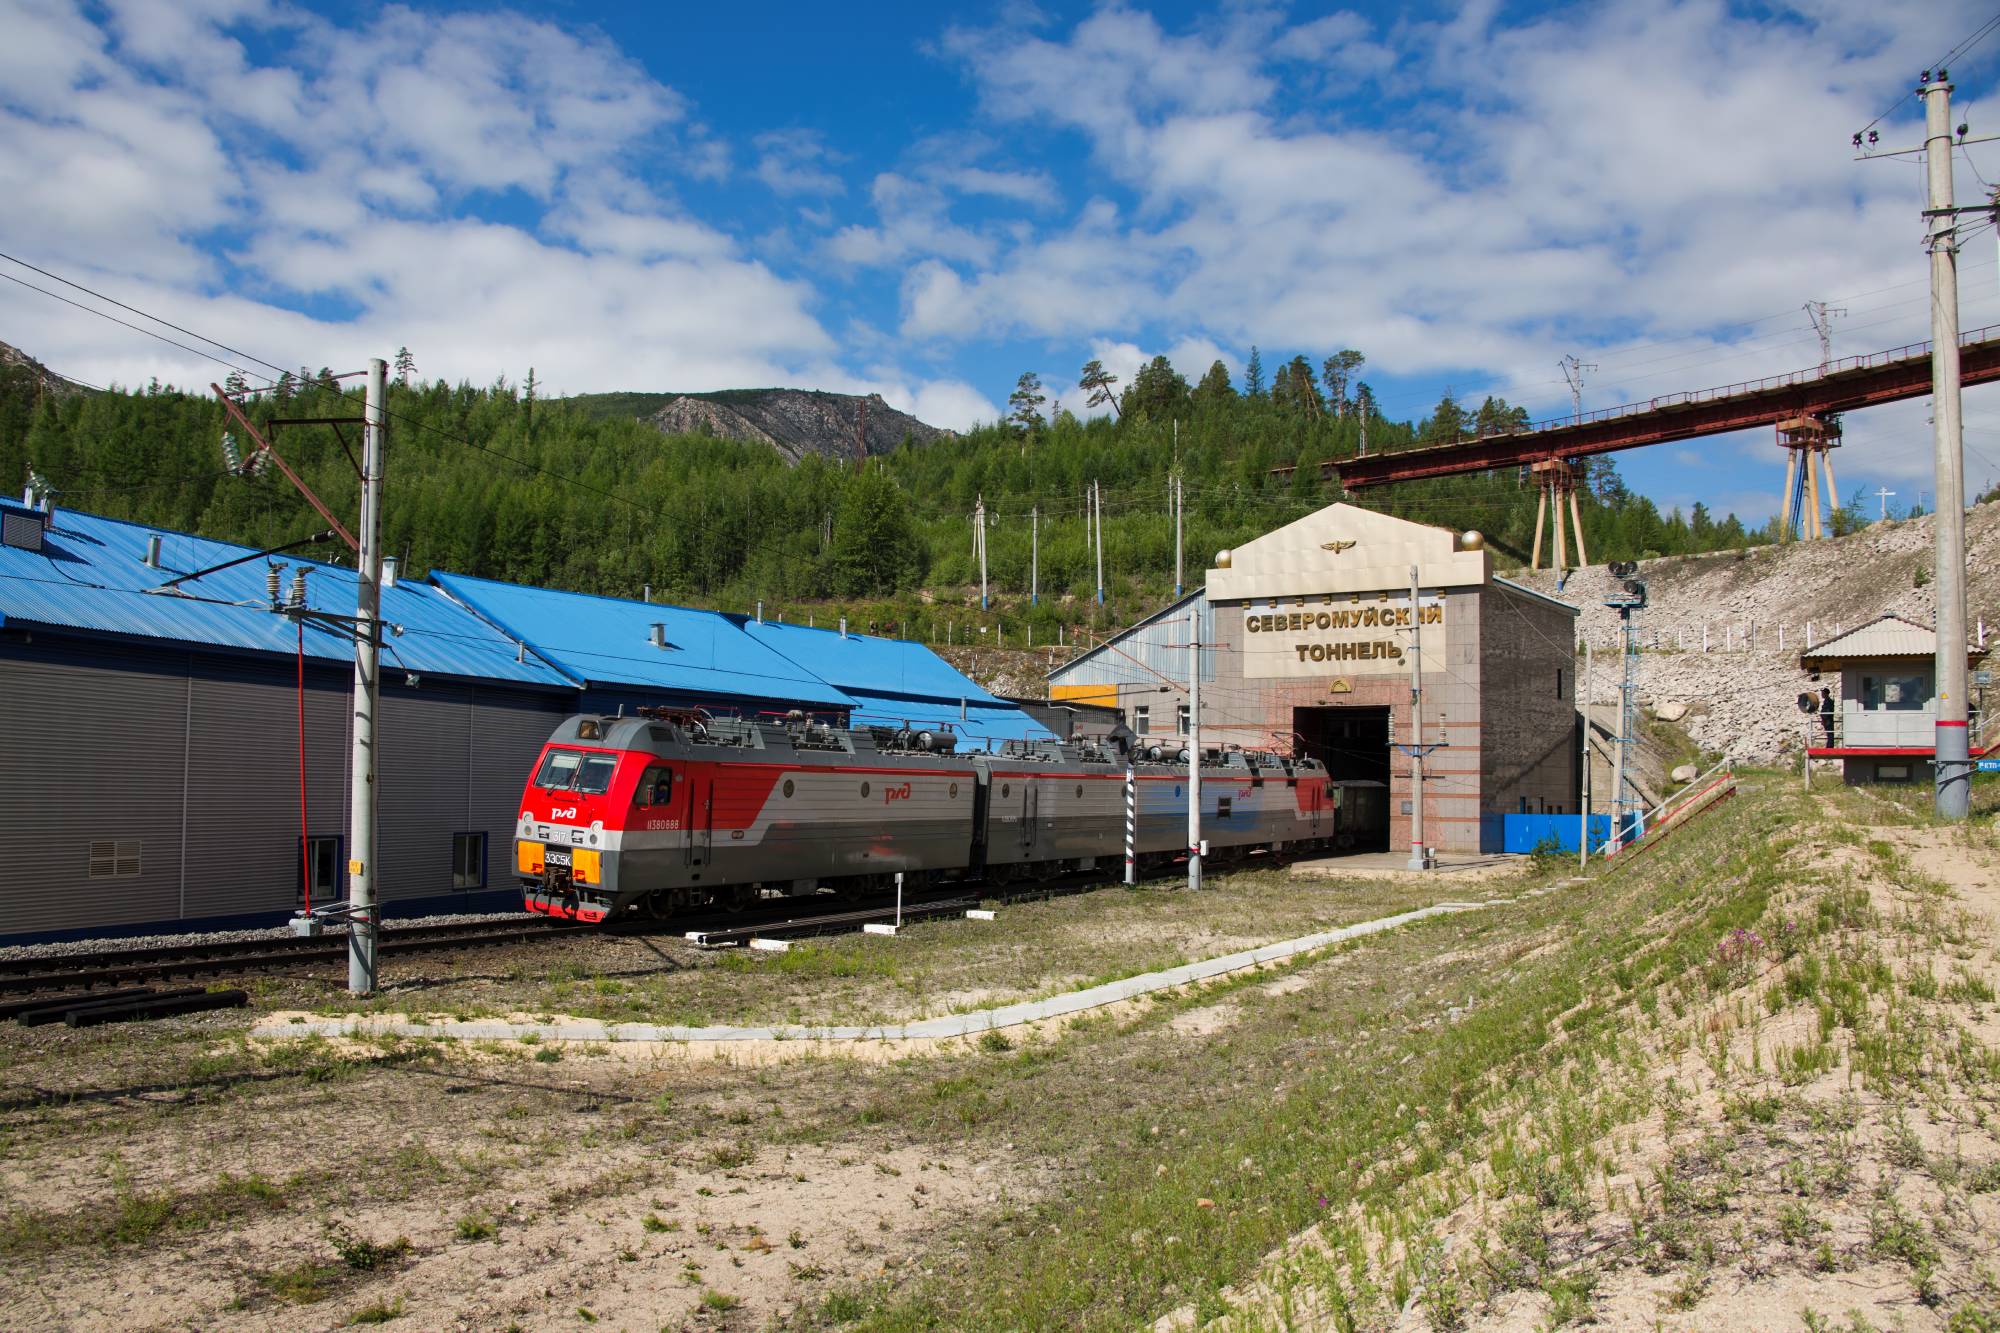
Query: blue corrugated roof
91,575
867,662
607,641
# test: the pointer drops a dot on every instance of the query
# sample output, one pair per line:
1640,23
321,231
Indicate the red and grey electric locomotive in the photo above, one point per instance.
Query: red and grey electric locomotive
663,811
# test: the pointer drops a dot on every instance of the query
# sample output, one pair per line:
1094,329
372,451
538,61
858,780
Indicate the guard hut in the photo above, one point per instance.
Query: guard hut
1881,680
1307,633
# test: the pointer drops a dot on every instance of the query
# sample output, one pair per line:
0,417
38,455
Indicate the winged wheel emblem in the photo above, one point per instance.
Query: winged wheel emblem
1335,546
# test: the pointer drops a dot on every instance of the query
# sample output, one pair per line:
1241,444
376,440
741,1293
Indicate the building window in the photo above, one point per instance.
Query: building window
1181,720
468,860
1142,719
1892,772
322,857
115,859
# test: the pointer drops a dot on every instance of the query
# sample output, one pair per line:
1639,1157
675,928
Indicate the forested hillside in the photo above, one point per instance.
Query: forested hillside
492,481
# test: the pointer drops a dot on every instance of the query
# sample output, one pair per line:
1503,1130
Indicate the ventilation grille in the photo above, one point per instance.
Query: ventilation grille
115,860
22,530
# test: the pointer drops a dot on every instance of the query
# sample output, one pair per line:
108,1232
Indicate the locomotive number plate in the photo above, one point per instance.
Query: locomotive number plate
556,856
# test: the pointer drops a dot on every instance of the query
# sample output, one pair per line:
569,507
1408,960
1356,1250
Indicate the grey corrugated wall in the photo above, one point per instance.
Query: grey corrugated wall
196,757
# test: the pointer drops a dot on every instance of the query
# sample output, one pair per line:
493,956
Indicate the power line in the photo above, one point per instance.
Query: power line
57,277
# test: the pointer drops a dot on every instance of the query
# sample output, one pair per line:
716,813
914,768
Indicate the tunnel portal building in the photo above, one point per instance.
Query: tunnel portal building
1306,637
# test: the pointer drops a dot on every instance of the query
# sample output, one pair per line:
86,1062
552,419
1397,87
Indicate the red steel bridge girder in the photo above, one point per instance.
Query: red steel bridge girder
1845,386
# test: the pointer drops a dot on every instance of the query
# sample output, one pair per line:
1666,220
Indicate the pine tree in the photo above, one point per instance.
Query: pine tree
1157,393
1338,371
286,386
406,366
1025,403
1096,381
1253,375
1215,386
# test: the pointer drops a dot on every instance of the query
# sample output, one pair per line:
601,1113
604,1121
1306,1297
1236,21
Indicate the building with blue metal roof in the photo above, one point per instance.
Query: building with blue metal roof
643,649
163,708
897,683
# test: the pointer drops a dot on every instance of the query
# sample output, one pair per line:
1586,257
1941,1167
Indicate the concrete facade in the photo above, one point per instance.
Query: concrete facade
1311,626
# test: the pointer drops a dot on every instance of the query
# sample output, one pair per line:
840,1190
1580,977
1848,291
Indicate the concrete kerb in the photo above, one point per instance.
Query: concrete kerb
924,1034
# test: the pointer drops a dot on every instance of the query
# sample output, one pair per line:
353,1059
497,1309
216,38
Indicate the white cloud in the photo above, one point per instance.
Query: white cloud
793,162
133,155
1530,196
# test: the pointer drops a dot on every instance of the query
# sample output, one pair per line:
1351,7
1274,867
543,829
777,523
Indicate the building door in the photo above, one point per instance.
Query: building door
1353,743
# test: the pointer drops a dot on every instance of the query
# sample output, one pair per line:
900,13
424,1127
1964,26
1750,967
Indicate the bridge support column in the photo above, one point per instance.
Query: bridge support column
1557,478
1806,440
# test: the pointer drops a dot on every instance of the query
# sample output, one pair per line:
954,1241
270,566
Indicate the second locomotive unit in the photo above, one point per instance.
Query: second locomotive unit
665,811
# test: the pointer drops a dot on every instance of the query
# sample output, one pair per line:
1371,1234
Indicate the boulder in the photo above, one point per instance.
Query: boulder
1685,773
1671,711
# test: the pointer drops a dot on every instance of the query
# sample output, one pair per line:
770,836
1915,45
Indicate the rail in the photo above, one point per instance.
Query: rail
101,967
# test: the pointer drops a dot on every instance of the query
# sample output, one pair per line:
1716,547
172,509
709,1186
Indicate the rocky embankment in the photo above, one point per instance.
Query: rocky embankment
795,422
1740,694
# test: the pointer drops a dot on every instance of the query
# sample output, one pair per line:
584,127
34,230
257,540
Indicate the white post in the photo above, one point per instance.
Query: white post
1180,508
1131,823
1035,556
1097,509
899,900
1419,860
361,883
1194,749
979,540
1953,766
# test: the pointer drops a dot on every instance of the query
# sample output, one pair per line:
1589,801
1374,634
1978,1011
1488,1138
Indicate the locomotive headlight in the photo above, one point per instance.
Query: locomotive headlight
588,867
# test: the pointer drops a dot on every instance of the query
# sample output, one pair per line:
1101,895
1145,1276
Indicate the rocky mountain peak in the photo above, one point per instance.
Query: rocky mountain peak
795,422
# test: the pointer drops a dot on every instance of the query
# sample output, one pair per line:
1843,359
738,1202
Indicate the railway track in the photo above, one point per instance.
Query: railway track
116,967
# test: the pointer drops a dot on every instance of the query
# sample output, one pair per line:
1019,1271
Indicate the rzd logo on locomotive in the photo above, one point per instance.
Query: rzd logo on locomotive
893,793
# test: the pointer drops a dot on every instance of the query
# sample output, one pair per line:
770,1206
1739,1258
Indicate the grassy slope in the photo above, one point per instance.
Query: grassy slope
1464,1080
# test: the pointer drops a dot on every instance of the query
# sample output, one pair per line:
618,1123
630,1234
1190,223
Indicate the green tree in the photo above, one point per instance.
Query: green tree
1447,422
1097,381
406,366
1157,393
1024,405
1294,390
1215,387
1338,371
875,549
1253,374
1496,417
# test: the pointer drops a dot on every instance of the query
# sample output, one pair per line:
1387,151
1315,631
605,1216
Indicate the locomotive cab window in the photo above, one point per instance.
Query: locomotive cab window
656,787
576,770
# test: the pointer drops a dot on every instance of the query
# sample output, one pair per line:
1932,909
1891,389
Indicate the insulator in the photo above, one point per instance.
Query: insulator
232,456
271,573
260,462
299,587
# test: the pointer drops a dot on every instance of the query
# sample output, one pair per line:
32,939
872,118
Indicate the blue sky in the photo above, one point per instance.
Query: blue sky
926,202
